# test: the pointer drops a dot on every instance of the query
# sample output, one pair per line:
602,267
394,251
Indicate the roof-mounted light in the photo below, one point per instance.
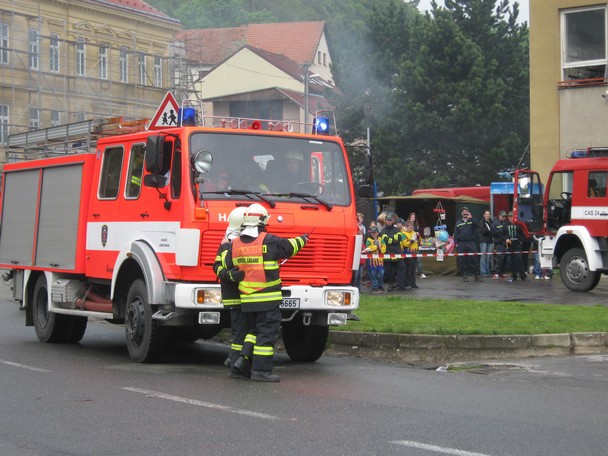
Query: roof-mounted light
186,117
321,126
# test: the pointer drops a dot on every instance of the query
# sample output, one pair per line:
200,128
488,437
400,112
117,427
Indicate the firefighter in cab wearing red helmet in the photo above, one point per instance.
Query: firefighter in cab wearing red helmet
257,253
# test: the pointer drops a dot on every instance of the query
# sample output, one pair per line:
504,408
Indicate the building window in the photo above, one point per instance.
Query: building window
324,59
34,39
4,43
55,117
4,110
158,71
34,118
584,43
54,53
319,57
141,59
80,58
103,62
124,65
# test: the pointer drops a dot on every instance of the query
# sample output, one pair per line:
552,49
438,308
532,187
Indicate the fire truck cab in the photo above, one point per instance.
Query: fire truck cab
570,220
126,228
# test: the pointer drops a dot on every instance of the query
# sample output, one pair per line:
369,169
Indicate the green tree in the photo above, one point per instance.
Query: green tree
450,91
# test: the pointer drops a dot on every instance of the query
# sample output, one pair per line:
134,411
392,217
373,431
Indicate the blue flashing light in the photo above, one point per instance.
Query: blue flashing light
186,117
321,126
579,154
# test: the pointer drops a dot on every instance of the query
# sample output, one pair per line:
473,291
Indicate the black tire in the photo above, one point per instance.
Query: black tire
574,271
50,327
76,328
146,339
304,343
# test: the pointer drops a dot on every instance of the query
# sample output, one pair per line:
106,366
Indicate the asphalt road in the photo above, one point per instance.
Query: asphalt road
89,399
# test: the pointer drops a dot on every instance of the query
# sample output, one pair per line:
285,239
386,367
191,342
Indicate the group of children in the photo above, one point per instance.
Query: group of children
398,236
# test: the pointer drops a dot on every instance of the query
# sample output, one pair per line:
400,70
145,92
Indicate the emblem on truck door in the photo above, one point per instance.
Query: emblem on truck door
104,235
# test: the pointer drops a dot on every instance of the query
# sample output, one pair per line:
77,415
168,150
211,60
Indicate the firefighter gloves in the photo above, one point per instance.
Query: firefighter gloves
236,275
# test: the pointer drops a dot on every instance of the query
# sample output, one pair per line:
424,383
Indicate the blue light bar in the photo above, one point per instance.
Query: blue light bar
186,117
321,126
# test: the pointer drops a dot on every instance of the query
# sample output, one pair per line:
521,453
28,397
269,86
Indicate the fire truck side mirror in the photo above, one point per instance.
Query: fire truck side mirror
365,191
155,148
155,180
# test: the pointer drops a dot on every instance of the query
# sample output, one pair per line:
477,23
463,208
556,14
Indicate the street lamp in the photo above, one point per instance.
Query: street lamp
368,110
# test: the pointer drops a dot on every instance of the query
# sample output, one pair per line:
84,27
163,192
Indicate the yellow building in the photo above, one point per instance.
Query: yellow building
568,74
63,61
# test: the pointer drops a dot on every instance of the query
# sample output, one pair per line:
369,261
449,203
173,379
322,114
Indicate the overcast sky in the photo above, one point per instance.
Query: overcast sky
524,11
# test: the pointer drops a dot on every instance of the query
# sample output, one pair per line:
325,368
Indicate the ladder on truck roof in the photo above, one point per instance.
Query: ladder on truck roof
73,138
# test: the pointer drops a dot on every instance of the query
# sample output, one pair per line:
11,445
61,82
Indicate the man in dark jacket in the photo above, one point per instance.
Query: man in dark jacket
515,243
392,237
500,234
465,238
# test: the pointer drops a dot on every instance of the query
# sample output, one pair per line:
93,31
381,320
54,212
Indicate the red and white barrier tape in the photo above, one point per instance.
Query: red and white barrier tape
421,255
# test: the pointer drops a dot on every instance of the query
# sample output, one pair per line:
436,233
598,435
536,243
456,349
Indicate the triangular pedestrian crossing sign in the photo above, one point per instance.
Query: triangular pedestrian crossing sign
166,115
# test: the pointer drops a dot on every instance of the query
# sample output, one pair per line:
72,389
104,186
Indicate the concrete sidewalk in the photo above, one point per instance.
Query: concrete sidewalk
437,350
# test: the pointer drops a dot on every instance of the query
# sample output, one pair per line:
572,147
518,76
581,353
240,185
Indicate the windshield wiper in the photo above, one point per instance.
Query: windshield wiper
327,204
234,191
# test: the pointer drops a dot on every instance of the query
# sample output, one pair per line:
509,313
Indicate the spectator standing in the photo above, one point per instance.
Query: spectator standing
360,274
391,236
486,244
500,234
515,243
375,266
465,238
417,228
410,245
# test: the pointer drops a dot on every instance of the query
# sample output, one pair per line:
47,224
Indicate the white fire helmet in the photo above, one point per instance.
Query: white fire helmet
255,215
235,218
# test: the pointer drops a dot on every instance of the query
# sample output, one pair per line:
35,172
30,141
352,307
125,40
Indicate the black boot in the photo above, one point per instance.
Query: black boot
264,376
242,366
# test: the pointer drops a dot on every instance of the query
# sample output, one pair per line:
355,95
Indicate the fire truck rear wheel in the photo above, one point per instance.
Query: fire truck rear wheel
145,337
304,343
50,327
574,271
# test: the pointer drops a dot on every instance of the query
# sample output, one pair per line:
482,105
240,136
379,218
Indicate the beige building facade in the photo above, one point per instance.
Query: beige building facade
64,61
568,74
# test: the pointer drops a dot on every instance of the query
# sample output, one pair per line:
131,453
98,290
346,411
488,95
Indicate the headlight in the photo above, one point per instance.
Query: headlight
208,296
339,298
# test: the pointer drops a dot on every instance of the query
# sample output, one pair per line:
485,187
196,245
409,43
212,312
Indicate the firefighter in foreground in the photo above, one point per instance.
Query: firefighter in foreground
241,341
257,253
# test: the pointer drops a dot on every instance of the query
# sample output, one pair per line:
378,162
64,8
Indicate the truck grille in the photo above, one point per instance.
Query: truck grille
327,252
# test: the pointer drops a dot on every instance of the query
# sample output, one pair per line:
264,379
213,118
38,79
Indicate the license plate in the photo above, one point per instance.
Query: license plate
290,303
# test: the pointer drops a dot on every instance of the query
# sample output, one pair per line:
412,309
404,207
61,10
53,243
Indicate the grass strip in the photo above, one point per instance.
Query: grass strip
401,315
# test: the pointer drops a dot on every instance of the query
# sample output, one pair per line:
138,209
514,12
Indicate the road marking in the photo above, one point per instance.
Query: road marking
211,405
438,449
10,363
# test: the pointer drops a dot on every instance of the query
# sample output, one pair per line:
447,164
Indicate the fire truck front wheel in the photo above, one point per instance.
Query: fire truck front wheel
52,327
145,337
574,271
304,343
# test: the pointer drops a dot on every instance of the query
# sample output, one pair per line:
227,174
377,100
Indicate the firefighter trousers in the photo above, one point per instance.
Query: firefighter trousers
243,337
267,325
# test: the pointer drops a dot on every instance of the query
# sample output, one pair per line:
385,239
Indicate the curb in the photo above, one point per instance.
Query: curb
424,349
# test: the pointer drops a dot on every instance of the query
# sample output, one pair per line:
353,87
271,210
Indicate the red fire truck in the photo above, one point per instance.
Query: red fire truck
124,226
570,219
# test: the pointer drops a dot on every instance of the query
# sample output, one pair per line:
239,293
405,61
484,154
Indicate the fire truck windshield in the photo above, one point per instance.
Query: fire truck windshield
283,168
